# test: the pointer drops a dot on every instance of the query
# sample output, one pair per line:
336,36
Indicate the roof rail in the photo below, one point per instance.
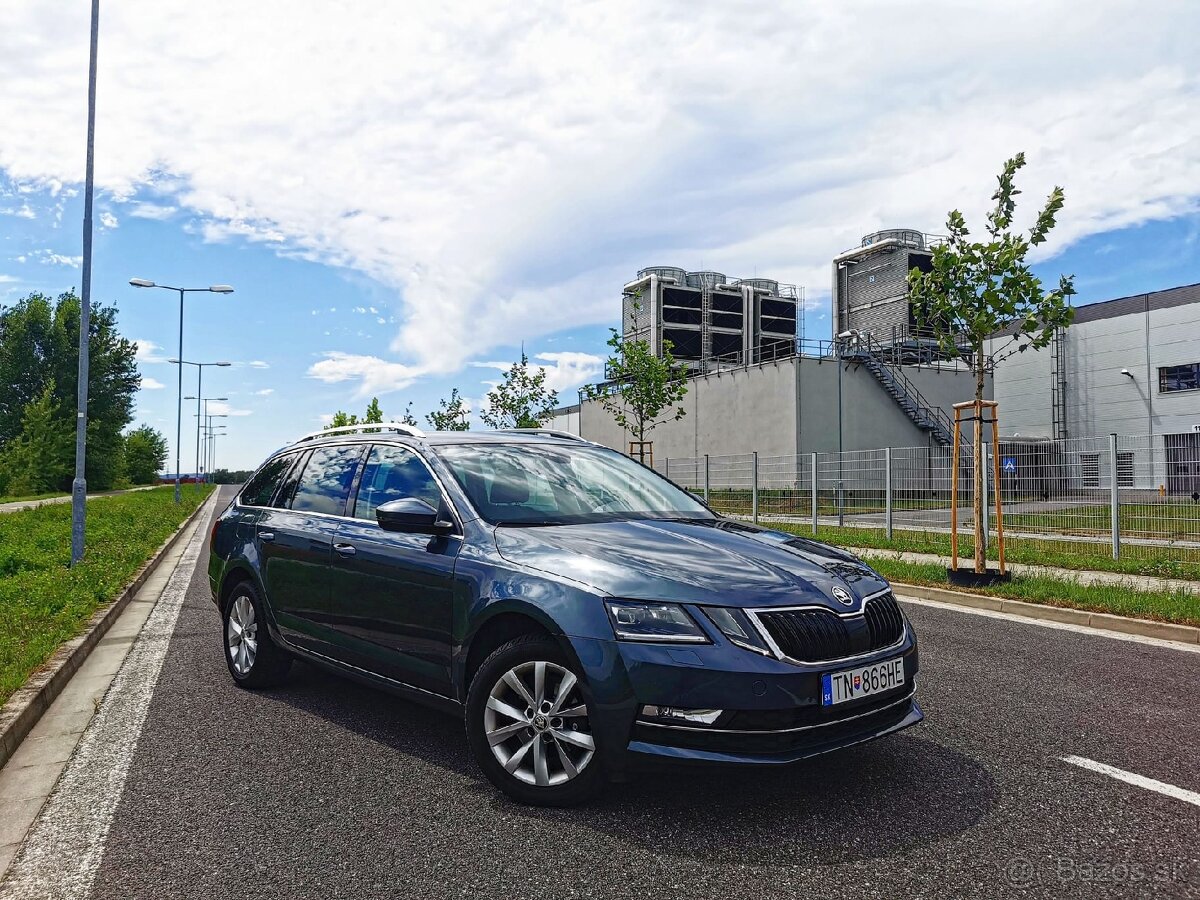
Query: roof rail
410,430
549,432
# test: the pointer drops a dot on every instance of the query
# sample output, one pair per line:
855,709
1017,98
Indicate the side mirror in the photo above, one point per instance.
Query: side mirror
411,515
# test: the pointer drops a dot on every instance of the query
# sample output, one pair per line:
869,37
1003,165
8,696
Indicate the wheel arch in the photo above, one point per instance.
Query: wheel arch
508,621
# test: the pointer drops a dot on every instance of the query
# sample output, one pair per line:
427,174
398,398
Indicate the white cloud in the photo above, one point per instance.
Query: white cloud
50,258
152,211
108,220
265,392
24,211
9,279
374,375
504,170
564,369
254,364
148,352
226,409
151,384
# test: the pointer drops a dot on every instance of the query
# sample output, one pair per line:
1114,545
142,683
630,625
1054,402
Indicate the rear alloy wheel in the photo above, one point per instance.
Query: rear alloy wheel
253,658
528,723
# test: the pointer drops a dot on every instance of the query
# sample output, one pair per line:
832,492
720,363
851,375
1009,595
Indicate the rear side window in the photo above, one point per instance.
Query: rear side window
261,488
394,473
325,483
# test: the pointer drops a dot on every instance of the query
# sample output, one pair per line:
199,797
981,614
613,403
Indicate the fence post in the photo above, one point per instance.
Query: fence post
1114,500
887,486
754,491
705,477
813,479
667,468
986,512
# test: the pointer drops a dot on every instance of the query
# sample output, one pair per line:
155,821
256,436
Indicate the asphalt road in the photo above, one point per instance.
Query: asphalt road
324,788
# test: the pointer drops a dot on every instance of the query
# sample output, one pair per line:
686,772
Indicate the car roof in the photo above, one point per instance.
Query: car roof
440,438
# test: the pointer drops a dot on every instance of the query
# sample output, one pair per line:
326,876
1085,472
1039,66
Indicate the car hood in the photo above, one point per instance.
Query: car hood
720,562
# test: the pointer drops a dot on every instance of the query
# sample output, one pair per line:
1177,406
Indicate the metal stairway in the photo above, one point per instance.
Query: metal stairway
923,414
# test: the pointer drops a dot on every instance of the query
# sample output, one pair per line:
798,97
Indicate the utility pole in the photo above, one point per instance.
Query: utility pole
79,484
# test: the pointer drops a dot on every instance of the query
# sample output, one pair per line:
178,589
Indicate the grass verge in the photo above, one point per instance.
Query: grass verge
1180,607
43,601
1056,554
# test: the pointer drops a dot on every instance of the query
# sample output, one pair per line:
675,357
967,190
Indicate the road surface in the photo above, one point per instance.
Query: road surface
185,786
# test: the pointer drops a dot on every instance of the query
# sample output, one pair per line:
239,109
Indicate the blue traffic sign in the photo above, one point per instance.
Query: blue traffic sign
1009,464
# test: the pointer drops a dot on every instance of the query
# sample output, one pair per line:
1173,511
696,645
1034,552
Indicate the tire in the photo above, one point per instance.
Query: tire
531,754
254,660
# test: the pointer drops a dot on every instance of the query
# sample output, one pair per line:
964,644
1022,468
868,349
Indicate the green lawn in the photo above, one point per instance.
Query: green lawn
43,601
1060,554
1182,607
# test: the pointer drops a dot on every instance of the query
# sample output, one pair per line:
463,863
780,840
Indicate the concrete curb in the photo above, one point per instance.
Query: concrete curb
1165,631
33,698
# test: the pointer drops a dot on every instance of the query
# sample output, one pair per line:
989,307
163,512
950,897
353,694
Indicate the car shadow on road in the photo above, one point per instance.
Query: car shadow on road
865,802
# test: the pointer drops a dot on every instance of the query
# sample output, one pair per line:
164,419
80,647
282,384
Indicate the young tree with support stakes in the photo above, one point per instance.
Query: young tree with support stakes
643,390
982,289
521,399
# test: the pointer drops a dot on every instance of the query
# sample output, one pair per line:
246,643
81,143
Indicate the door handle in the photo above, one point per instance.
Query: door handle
266,536
345,550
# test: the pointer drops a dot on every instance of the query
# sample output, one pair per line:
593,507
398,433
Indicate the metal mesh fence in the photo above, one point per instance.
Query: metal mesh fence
1134,497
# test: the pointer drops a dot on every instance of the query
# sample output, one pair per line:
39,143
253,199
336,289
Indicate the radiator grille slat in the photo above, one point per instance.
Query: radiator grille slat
818,635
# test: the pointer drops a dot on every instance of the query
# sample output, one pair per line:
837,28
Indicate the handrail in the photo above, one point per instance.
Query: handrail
403,428
876,351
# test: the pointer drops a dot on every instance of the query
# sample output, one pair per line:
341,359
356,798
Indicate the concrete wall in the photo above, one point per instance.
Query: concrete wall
1099,399
785,408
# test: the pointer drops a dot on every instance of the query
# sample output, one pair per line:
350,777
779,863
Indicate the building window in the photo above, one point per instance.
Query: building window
1125,468
1179,378
1090,464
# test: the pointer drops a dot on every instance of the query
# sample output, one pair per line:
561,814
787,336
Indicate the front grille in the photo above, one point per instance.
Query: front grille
884,621
818,635
808,634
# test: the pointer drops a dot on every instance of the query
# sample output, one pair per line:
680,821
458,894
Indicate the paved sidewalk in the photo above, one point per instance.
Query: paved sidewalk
1080,576
66,498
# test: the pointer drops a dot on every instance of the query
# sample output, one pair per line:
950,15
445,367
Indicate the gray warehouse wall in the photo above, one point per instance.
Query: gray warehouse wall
785,408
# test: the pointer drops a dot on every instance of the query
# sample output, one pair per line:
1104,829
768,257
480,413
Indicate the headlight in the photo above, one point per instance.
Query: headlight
735,625
641,620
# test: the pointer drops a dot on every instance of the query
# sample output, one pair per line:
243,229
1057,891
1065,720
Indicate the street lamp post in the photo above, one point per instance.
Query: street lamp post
208,430
79,485
218,431
214,289
200,372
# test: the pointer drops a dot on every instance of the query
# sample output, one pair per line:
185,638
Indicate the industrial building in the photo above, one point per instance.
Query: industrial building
1129,366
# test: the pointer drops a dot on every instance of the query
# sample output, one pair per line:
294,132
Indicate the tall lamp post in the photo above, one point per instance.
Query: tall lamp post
79,485
199,399
216,432
213,289
208,432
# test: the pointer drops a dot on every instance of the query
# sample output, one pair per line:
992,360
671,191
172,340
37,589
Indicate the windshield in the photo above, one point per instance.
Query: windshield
543,484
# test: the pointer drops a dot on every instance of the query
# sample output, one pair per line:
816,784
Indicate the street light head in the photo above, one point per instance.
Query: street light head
223,364
221,289
141,282
191,398
218,398
173,362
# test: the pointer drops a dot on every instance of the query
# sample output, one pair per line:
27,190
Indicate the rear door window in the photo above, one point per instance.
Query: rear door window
325,483
261,488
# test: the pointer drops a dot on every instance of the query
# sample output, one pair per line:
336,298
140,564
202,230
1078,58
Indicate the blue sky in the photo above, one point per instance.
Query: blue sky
402,197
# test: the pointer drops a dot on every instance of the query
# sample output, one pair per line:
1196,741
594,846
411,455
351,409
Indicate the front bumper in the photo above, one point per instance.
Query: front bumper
773,712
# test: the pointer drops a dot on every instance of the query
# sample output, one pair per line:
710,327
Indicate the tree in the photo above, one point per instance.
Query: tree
39,347
341,418
642,390
145,454
451,415
977,290
521,399
42,456
408,418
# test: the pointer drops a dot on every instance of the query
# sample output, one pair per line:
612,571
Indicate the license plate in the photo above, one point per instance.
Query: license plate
865,681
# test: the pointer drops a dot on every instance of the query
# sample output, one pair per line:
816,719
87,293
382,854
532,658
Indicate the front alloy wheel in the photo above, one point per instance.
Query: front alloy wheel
529,726
537,726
